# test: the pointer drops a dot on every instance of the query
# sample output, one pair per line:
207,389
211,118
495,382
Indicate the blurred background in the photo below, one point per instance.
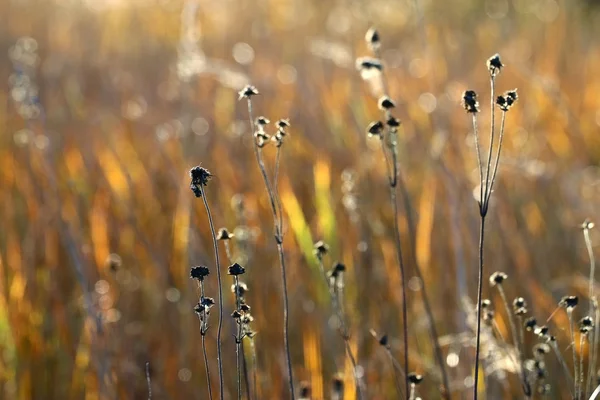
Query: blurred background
107,104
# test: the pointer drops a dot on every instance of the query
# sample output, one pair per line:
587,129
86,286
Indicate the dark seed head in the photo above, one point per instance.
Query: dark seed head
244,307
236,314
224,234
469,101
305,391
282,124
372,38
393,122
530,323
199,272
497,278
541,331
415,378
200,176
248,91
569,302
385,103
383,340
485,303
337,383
494,64
236,269
262,121
519,302
320,249
506,101
586,324
368,63
375,128
541,349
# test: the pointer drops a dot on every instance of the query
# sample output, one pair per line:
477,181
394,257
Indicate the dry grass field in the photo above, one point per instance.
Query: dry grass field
105,105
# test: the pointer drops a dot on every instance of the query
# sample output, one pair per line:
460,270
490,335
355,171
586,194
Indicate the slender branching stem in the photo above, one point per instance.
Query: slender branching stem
488,188
513,329
217,260
573,347
238,337
246,376
593,310
395,368
497,159
564,365
279,239
479,162
581,370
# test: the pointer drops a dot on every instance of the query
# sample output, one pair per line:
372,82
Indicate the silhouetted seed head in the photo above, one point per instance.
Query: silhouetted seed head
540,369
586,324
277,139
236,314
375,128
337,269
283,124
247,92
199,272
113,262
415,378
372,38
506,101
244,308
337,384
207,302
530,324
494,64
262,121
236,269
305,391
320,249
519,302
261,139
368,63
541,349
469,101
200,177
242,289
485,303
521,311
541,331
393,122
497,278
385,103
587,224
569,302
224,234
199,308
383,340
247,318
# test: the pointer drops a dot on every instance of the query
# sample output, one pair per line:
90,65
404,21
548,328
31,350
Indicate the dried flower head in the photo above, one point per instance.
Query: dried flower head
385,103
236,314
497,278
320,249
247,92
541,349
521,311
200,177
283,124
530,324
519,302
569,302
277,139
199,272
415,378
586,324
393,122
541,331
262,121
494,64
337,384
587,224
305,390
486,303
224,234
375,128
506,101
244,307
236,269
469,101
372,38
384,340
368,63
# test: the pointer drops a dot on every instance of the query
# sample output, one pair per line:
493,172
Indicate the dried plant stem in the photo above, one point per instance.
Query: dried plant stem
564,365
496,161
203,330
148,381
479,293
238,338
254,368
217,260
396,367
413,392
575,373
279,239
246,376
488,187
593,310
593,347
581,370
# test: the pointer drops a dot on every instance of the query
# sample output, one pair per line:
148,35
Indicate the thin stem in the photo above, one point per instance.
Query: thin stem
148,381
521,351
279,240
238,337
276,190
581,371
575,373
246,376
593,342
254,368
563,363
492,133
395,368
203,329
479,293
593,350
588,246
496,161
413,392
219,328
479,165
228,251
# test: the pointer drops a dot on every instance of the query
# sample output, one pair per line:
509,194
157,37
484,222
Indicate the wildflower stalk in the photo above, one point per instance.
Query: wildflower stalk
148,381
564,365
593,308
217,260
575,372
203,330
248,92
238,339
581,370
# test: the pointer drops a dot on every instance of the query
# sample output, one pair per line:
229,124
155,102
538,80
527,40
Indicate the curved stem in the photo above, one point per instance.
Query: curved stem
497,157
492,133
575,372
203,329
219,328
